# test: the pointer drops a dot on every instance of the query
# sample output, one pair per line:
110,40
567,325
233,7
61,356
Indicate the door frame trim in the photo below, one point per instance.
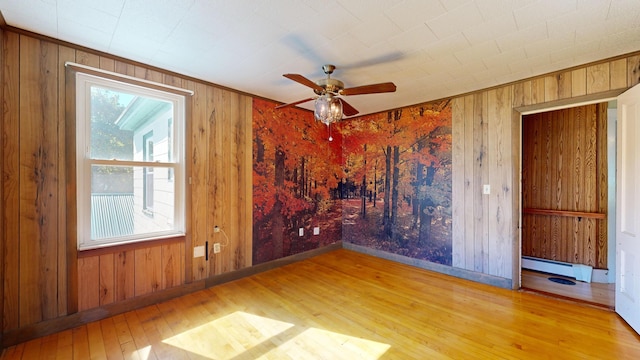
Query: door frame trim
519,112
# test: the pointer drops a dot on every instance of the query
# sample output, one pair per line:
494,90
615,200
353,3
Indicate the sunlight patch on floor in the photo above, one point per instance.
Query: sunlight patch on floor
244,335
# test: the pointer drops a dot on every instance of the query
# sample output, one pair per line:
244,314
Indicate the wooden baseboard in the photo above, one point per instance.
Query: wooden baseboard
48,327
256,269
443,269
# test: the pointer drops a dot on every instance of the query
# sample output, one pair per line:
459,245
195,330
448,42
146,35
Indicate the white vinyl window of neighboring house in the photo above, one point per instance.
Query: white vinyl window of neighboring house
130,164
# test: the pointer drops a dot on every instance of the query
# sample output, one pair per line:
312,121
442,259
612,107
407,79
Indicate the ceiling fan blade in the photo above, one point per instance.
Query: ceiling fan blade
369,89
304,81
293,103
348,109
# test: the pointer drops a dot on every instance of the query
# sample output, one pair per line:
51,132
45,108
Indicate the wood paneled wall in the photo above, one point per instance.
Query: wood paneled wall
486,150
564,185
35,232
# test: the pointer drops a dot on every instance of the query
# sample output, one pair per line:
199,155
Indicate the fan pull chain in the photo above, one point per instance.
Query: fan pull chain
330,137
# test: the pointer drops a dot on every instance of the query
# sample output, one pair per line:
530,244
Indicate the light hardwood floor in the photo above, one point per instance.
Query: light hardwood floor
345,305
597,294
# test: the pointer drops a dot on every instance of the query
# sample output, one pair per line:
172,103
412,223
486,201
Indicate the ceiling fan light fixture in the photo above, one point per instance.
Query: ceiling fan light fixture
328,109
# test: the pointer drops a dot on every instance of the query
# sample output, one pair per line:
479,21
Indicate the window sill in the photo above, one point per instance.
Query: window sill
112,249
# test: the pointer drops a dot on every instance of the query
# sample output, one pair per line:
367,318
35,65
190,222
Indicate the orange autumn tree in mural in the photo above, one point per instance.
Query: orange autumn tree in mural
384,182
399,166
294,171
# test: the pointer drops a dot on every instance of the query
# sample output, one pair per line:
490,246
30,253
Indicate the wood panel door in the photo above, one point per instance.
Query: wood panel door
564,185
628,209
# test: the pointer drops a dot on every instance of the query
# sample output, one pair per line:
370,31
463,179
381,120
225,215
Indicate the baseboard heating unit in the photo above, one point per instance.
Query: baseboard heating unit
578,271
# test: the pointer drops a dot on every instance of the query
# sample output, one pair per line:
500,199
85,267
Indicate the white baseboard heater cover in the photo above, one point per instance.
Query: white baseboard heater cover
578,271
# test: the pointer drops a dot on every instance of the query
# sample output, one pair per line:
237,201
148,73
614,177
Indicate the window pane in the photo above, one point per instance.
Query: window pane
109,140
119,120
123,204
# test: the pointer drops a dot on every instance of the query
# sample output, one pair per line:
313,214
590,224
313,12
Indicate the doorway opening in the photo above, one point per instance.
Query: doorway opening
568,202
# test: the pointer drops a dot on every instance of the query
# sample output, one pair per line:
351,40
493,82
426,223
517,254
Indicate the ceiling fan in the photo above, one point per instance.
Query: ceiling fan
329,107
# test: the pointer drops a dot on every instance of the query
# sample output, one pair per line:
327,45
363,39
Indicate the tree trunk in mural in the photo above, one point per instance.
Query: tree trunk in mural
303,181
387,193
277,218
426,207
394,194
363,188
257,165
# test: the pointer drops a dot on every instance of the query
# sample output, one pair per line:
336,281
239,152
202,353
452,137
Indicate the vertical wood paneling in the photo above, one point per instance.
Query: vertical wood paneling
633,70
518,94
89,283
65,54
603,188
457,182
480,177
551,87
89,59
2,217
124,273
215,206
469,183
11,180
598,78
245,192
500,214
172,265
564,80
124,68
579,82
231,121
537,91
199,178
148,274
107,279
38,184
618,73
218,155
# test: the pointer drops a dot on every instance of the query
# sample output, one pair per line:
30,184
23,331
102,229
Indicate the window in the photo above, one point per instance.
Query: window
129,162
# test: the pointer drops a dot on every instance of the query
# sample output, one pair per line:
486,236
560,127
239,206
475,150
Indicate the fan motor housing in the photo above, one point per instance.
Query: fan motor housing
330,85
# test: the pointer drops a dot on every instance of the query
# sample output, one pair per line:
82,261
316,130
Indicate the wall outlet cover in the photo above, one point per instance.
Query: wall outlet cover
316,230
198,251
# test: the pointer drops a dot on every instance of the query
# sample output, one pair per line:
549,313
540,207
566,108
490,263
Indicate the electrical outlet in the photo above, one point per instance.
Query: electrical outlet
316,230
216,229
486,189
216,248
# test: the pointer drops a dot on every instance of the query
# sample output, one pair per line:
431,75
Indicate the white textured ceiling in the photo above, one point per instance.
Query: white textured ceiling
430,49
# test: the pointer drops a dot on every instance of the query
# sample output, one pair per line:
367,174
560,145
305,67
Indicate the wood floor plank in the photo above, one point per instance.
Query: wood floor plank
96,339
32,349
346,305
65,345
80,343
110,338
156,330
49,347
142,344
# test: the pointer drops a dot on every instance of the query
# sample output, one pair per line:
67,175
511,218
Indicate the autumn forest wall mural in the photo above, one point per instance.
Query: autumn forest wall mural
383,182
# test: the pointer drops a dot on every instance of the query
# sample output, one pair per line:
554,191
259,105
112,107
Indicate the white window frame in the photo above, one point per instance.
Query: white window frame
84,82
